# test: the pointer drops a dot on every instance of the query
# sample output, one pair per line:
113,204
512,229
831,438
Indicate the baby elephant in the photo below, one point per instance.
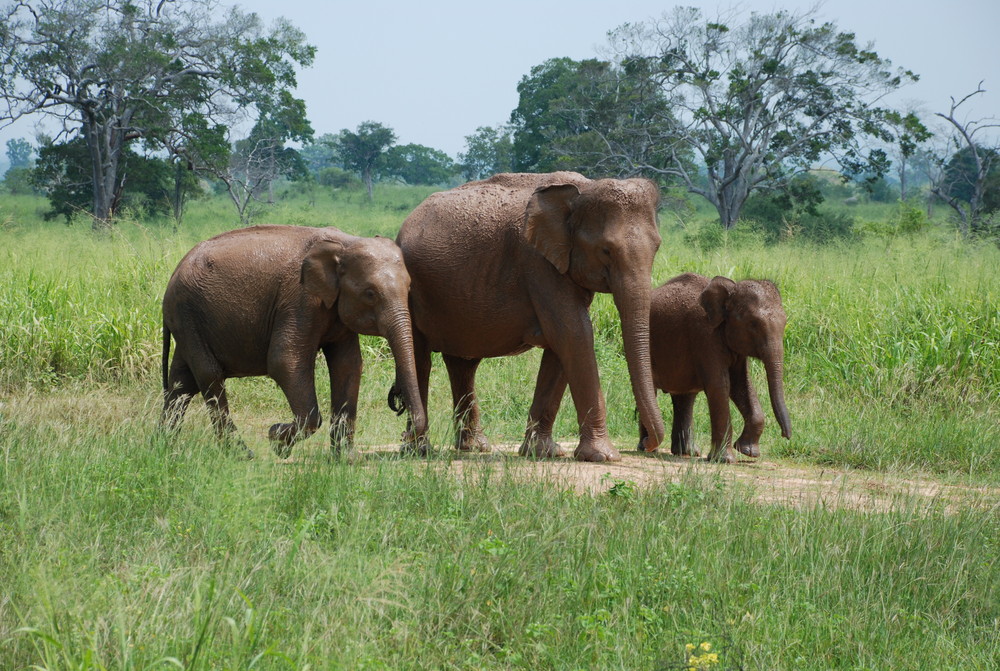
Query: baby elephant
263,301
701,333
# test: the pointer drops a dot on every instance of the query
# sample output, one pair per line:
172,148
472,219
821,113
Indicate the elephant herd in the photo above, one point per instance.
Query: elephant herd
490,268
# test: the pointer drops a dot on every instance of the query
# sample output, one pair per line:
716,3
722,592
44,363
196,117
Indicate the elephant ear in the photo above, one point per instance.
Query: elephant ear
320,274
714,298
546,222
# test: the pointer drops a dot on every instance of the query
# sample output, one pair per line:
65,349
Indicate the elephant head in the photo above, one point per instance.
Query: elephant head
365,280
753,322
603,235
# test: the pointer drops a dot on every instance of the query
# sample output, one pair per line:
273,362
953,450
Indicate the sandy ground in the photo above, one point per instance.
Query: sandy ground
765,480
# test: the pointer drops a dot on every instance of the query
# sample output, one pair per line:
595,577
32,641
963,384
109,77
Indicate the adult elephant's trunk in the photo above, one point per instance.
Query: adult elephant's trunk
774,366
632,298
398,332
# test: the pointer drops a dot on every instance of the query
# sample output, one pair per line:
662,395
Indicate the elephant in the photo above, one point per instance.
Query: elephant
701,333
512,262
262,301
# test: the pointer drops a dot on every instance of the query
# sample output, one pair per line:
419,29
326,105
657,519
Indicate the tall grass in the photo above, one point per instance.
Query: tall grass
893,347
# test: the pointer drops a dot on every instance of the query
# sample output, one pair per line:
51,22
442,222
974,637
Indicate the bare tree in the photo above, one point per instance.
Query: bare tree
964,188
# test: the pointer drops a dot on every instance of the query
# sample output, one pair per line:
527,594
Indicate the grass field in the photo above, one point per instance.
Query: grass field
122,548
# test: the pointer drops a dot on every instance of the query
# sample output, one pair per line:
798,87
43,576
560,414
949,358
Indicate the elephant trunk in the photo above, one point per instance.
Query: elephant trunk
398,332
632,299
774,366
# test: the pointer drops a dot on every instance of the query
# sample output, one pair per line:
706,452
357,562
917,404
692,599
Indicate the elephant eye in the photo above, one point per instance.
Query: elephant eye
370,294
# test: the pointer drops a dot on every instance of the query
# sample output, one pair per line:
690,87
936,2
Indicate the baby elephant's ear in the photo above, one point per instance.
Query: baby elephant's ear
320,274
714,298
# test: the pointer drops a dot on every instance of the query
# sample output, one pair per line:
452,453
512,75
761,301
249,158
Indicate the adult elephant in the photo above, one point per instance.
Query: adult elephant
263,301
702,333
513,262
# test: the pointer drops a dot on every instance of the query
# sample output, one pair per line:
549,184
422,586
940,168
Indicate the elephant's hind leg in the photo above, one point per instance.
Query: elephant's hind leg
549,390
681,437
469,435
181,387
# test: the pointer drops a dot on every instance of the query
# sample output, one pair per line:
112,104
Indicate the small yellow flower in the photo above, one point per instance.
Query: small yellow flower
689,647
706,646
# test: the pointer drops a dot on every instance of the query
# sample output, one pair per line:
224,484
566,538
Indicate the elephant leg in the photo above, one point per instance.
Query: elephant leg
574,347
469,432
343,360
745,398
549,390
296,380
181,387
681,439
722,424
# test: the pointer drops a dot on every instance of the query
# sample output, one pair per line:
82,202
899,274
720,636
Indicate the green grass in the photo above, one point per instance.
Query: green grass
122,548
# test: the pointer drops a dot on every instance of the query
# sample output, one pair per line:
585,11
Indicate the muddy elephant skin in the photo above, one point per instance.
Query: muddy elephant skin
702,333
263,301
513,262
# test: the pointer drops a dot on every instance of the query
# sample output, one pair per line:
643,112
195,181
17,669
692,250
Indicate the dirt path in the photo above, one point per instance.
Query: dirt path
768,481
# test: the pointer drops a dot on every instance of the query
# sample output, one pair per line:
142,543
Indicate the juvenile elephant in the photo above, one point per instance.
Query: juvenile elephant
701,333
263,301
512,262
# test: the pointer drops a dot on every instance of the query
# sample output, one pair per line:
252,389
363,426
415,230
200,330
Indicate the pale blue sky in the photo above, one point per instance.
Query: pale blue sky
436,70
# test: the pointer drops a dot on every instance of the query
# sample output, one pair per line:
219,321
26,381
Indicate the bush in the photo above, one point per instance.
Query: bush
338,178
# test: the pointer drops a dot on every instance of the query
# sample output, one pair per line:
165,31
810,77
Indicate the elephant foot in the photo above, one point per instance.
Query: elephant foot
722,456
596,450
346,455
235,446
747,448
473,441
685,451
420,447
540,447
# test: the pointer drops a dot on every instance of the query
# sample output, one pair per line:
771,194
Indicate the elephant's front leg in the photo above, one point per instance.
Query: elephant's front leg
572,340
469,436
549,390
745,398
295,376
722,424
344,363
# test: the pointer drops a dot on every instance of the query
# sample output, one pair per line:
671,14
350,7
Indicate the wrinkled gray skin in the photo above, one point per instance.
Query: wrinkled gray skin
513,262
701,333
263,301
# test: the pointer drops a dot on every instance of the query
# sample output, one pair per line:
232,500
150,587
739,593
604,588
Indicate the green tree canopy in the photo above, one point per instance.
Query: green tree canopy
487,151
123,74
362,150
417,164
757,101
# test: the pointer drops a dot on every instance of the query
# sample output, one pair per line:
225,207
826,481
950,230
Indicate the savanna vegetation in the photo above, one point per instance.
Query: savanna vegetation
123,548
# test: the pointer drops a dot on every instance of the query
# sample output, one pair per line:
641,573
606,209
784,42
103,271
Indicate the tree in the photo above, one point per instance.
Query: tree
757,102
487,151
969,177
128,73
19,153
362,149
909,132
586,116
63,174
417,164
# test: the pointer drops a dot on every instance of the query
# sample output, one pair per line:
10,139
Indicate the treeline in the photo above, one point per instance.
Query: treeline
737,114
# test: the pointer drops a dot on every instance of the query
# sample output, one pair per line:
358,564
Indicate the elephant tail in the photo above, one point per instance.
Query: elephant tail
165,364
396,401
